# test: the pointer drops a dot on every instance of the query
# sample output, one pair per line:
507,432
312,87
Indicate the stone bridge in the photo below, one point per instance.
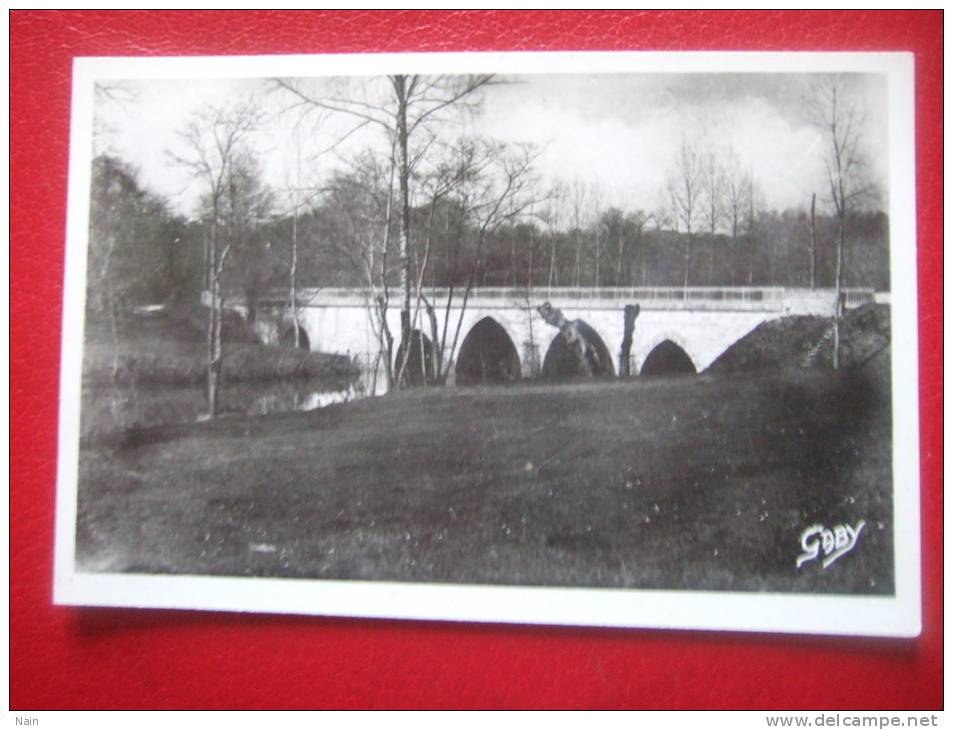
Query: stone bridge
502,336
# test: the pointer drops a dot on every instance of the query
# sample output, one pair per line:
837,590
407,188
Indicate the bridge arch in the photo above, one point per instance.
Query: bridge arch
562,362
668,357
288,338
487,355
419,369
339,321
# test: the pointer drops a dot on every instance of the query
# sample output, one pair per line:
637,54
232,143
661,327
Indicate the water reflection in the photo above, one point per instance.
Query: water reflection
322,399
107,410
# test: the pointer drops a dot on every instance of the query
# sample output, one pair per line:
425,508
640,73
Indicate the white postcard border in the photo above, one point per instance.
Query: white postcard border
899,615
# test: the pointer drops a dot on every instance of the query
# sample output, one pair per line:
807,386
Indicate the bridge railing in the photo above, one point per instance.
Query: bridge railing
794,300
583,293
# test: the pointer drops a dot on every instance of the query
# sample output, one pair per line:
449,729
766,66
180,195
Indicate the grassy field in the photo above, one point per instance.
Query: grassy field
695,482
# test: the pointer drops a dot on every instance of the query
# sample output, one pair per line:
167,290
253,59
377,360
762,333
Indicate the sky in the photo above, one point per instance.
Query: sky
617,132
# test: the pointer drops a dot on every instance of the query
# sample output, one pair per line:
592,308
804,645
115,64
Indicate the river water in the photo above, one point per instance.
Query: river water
107,409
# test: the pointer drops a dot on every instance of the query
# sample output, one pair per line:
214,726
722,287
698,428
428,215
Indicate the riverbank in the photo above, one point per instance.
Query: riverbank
702,483
153,374
155,358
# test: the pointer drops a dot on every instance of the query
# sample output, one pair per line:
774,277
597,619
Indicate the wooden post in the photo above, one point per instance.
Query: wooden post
631,312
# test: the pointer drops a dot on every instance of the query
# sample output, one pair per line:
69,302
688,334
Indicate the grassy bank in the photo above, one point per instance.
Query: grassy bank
806,341
703,483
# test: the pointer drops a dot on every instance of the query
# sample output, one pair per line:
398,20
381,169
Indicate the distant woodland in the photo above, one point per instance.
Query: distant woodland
155,256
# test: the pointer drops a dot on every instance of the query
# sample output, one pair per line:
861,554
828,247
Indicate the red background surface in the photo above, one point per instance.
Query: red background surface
87,658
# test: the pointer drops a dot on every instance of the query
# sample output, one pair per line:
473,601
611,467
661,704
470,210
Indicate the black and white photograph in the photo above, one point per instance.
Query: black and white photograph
612,339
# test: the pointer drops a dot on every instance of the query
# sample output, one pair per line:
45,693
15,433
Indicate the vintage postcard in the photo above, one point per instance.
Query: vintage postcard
613,339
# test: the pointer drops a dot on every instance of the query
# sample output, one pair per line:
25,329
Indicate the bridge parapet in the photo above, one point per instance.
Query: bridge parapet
747,299
700,321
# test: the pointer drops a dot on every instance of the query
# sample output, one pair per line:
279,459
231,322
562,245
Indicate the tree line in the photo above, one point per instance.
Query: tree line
437,208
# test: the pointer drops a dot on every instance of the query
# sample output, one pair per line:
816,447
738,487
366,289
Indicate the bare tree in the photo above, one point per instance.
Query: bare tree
296,206
493,184
661,218
299,197
713,185
595,211
635,223
111,100
751,218
411,104
213,142
613,223
551,215
248,204
131,237
735,198
840,117
578,195
446,175
360,212
685,190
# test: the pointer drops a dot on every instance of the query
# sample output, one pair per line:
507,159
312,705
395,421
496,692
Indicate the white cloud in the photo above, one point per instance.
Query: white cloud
620,132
